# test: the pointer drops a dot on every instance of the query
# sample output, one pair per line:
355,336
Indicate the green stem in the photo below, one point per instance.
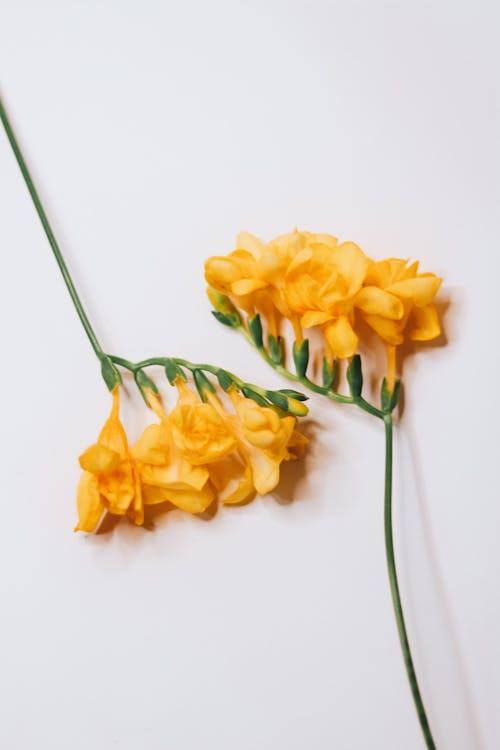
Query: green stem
50,234
304,380
393,581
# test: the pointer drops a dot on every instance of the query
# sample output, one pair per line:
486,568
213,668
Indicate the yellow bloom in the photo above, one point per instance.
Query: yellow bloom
396,301
253,275
320,286
110,480
264,441
165,470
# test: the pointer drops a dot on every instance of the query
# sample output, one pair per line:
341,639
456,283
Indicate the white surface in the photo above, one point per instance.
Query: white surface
155,132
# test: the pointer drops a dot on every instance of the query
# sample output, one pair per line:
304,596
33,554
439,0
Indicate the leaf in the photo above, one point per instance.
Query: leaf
110,373
329,372
224,378
355,376
389,400
276,349
228,320
144,383
293,394
301,357
173,371
278,399
255,328
250,393
202,384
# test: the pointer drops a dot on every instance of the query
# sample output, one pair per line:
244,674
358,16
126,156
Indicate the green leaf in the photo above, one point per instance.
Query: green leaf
228,320
144,383
278,399
301,357
225,379
355,376
202,384
329,372
173,371
250,393
276,349
389,400
293,394
110,373
255,328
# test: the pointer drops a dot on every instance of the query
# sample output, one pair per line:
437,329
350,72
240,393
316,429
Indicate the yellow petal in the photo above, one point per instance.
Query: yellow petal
388,330
425,324
265,470
420,290
341,338
98,459
352,264
246,286
152,446
242,491
376,301
314,318
179,476
192,501
89,503
152,495
250,243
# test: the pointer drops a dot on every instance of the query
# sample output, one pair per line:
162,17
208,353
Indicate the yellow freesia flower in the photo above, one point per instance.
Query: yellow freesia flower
110,480
396,301
264,441
253,275
320,286
165,470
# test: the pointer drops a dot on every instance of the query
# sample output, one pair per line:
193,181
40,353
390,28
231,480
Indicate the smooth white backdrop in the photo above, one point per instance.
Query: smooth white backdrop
155,132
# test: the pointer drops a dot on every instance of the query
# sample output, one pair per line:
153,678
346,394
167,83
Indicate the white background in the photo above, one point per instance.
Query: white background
155,132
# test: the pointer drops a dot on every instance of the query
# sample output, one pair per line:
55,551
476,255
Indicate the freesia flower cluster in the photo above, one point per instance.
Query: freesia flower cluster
315,281
197,454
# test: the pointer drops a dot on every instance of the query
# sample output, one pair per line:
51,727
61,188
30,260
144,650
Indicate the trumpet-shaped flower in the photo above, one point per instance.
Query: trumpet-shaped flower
110,480
320,286
166,472
396,302
253,275
264,441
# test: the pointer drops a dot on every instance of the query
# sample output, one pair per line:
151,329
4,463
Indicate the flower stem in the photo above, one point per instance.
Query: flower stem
393,581
50,235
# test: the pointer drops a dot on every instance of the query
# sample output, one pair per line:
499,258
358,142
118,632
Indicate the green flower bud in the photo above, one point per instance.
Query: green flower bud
255,328
301,357
110,373
355,376
202,384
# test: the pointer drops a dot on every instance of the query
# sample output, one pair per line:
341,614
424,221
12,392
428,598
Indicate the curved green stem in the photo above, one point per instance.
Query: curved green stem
310,385
393,581
50,234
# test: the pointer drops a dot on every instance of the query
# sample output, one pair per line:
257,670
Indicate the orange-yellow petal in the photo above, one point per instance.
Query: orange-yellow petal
375,301
89,503
421,290
314,318
425,324
247,286
99,459
341,338
388,330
